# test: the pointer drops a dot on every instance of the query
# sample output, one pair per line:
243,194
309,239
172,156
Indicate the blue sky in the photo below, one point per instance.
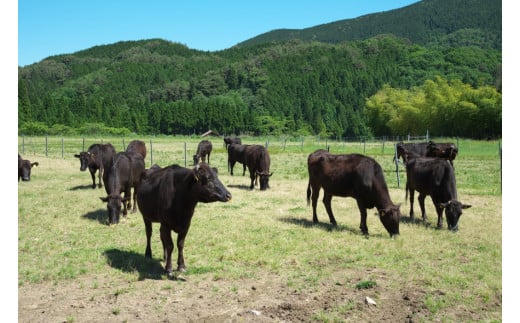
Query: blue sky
54,27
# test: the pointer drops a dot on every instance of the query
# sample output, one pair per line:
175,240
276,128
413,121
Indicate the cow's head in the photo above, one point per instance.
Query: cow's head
24,172
390,218
264,179
114,202
84,158
196,159
207,185
453,210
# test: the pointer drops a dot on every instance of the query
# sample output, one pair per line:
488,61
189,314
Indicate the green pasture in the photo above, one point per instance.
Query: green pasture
62,233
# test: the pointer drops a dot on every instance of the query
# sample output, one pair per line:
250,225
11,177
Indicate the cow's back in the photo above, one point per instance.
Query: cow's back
257,158
107,152
339,174
117,176
431,176
137,146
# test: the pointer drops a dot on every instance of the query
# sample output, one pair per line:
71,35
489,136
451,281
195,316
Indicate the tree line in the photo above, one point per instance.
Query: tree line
358,88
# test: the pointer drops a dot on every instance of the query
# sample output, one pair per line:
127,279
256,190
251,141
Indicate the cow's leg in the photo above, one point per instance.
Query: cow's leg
327,198
363,224
208,158
253,177
167,242
421,204
148,229
412,197
134,197
231,165
244,171
126,201
100,176
314,198
93,175
180,249
439,215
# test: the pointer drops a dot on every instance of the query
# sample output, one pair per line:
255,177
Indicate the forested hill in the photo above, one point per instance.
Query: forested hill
428,22
384,85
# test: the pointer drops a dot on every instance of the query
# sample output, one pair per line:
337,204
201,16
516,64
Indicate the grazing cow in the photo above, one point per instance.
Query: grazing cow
137,146
231,140
125,173
351,175
258,162
203,149
446,151
434,177
236,153
24,169
169,195
407,151
410,150
98,156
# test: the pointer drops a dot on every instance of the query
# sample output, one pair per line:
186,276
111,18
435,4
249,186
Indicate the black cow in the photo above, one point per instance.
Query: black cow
236,153
203,149
231,140
169,195
446,151
24,169
97,157
137,146
407,151
410,150
351,175
434,177
125,173
258,162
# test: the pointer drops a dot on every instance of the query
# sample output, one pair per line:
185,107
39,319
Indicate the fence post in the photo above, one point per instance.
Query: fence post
83,144
23,144
396,164
46,145
185,165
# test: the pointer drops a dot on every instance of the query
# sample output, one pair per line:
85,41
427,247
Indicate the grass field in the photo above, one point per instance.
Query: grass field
269,236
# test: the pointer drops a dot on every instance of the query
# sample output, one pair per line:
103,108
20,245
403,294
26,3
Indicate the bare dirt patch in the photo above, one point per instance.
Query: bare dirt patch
202,299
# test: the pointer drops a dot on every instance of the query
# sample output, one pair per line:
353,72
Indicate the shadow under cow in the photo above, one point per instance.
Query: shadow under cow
81,187
306,223
241,187
100,215
129,262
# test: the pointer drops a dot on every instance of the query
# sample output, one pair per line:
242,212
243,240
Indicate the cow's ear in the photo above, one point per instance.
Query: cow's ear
466,206
34,164
271,174
76,155
104,199
200,174
444,205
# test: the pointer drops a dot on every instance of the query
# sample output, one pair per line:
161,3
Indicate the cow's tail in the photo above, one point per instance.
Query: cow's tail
309,193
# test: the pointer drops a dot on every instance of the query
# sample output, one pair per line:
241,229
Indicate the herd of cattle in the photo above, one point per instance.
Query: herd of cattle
169,195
